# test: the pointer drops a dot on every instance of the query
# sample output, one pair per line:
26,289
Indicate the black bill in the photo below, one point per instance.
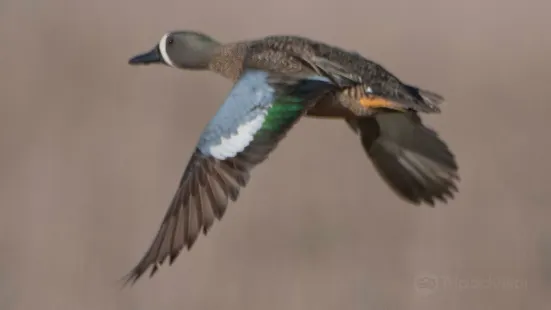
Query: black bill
153,56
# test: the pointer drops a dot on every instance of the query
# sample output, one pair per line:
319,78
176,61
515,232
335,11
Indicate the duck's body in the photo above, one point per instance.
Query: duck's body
385,89
279,79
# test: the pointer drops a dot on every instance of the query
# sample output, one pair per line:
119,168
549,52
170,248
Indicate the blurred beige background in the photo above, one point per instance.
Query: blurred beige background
92,150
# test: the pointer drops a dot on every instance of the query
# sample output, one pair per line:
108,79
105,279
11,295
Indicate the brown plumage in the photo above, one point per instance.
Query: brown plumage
411,158
344,67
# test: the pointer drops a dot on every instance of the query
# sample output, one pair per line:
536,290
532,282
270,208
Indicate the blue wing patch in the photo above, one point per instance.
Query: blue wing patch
240,116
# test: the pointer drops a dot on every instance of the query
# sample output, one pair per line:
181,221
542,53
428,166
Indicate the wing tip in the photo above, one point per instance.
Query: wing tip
444,191
129,279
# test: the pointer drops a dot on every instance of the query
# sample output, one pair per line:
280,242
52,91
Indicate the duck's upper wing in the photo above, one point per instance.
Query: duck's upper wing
381,88
348,69
256,115
336,72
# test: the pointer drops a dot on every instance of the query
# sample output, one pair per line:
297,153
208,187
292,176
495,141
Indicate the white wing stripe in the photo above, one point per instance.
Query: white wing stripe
241,115
229,147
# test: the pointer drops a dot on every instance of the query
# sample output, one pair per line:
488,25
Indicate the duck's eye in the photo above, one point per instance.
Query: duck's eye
170,41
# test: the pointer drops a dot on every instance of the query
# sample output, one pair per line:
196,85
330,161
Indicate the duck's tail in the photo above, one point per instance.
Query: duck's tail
430,98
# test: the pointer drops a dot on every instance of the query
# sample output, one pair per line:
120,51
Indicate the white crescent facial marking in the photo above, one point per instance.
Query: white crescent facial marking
236,143
162,48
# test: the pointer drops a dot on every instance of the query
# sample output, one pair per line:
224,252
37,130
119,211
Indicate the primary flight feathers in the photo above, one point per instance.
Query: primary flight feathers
257,114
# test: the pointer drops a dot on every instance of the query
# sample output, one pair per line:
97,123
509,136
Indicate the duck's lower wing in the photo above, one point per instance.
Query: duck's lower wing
259,111
410,157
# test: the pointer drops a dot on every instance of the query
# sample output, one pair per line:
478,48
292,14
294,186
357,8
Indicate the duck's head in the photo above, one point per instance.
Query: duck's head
180,49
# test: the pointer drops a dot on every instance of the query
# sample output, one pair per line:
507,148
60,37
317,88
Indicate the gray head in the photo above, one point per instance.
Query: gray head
180,49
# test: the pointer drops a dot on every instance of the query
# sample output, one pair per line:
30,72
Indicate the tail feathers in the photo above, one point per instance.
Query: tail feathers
430,99
410,157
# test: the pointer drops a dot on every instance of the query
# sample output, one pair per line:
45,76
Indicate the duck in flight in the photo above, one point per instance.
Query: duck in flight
277,81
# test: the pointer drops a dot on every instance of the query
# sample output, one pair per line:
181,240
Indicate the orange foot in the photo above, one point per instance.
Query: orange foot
378,102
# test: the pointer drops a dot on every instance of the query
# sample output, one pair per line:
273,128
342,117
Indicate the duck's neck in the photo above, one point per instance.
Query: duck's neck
227,59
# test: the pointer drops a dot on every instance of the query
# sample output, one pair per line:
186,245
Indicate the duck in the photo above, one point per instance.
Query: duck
277,80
